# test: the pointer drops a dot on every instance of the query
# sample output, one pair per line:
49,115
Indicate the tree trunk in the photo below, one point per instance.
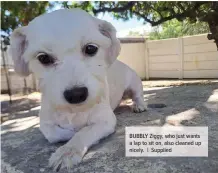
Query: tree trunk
6,74
212,20
214,32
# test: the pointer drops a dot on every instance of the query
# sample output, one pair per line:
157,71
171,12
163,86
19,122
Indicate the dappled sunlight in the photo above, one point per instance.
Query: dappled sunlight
149,95
22,112
212,106
35,108
185,106
213,97
152,93
19,124
212,102
155,122
155,88
176,119
165,83
36,126
19,106
127,102
35,96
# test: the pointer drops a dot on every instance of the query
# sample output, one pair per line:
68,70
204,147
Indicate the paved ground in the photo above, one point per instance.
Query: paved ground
24,149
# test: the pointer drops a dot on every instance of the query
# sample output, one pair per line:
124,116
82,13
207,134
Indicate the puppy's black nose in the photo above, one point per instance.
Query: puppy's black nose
76,95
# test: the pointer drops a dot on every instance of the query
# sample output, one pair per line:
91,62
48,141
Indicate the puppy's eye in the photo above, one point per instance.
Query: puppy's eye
90,49
45,59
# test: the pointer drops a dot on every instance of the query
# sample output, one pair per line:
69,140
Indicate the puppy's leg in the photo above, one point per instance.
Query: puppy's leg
101,124
54,133
136,88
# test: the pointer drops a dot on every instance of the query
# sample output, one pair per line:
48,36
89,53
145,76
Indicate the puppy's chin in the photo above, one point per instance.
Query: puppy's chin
82,107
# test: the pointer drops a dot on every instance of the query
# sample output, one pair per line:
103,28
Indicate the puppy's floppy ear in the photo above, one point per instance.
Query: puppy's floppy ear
18,45
108,30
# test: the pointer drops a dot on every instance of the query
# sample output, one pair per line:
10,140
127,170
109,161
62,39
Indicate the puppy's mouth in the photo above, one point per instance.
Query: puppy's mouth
81,107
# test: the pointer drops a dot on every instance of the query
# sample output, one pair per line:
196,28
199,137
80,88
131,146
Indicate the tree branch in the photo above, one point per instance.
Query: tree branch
115,9
145,18
157,11
174,15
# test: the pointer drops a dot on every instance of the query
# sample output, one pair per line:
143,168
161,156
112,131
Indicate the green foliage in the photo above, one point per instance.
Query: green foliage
154,12
195,28
14,14
135,33
158,12
86,5
174,29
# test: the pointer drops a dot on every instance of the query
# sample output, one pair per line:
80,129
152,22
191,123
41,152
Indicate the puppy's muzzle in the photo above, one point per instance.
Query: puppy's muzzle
76,95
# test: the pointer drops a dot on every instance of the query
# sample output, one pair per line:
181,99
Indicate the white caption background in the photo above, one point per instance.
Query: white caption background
169,141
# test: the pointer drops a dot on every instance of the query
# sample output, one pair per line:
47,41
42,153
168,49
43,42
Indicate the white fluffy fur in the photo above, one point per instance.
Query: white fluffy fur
62,34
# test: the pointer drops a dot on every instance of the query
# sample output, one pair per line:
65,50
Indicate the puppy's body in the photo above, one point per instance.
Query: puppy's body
120,79
55,50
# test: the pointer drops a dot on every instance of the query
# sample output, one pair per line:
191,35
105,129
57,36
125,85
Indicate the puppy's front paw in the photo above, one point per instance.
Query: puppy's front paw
65,157
138,108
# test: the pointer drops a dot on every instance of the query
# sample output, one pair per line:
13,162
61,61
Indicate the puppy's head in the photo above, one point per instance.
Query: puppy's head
69,51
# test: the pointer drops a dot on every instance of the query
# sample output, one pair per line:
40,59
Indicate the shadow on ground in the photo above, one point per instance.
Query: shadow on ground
18,105
24,148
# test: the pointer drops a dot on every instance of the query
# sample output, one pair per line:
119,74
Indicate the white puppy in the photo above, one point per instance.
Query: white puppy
74,56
